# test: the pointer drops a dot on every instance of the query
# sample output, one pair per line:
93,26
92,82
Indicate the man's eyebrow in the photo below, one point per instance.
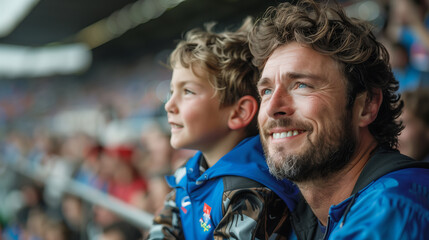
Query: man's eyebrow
296,75
289,75
263,81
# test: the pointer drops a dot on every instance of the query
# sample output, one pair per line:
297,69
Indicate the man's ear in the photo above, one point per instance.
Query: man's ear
243,112
368,107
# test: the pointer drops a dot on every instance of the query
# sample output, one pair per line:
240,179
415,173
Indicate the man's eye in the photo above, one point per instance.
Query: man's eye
302,85
266,92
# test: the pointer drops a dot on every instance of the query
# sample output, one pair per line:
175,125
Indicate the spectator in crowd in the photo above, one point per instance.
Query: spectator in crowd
414,139
328,122
157,160
158,151
16,146
57,230
124,181
407,76
89,171
121,231
74,215
103,217
35,226
29,216
157,191
32,194
223,191
408,25
45,147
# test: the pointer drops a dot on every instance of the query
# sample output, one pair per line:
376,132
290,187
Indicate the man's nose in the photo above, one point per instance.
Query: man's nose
280,104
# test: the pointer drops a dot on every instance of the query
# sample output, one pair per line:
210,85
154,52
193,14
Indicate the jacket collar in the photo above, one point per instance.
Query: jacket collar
382,162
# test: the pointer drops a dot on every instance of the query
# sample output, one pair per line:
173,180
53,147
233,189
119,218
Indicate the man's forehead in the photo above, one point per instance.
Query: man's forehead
299,59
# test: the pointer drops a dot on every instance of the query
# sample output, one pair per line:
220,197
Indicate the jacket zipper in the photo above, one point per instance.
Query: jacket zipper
328,226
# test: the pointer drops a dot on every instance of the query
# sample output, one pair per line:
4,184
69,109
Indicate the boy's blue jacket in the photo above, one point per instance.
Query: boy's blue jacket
390,201
199,197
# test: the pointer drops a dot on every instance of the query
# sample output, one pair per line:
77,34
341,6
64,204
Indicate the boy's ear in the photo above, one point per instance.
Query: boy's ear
243,112
369,107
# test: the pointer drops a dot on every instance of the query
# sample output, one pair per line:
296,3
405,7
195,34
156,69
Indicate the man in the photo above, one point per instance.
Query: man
328,122
414,139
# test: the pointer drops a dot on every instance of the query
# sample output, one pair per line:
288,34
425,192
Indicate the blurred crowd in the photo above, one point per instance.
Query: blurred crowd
39,206
107,130
110,135
406,36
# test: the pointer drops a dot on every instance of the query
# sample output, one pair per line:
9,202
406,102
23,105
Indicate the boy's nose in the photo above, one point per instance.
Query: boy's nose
170,106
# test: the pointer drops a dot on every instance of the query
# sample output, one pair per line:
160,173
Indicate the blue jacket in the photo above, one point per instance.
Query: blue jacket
199,197
389,201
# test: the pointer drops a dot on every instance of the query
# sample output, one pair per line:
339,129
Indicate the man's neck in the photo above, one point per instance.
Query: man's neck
321,194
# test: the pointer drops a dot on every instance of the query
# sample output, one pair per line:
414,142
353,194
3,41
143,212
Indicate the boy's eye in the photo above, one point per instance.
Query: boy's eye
187,91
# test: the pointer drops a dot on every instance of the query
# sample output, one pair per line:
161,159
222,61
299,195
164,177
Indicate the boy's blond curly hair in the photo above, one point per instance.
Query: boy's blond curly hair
225,57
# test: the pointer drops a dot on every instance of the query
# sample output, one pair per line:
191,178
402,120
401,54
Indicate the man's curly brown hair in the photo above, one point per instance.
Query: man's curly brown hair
350,42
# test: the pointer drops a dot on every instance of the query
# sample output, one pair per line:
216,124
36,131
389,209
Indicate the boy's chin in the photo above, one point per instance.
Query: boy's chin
177,144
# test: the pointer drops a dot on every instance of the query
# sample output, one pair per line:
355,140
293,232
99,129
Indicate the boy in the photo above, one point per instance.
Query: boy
225,191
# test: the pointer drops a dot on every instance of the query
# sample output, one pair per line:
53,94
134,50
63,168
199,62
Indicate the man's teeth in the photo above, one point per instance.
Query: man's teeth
285,134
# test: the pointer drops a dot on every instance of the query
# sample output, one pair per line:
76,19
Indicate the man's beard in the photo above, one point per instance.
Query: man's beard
330,153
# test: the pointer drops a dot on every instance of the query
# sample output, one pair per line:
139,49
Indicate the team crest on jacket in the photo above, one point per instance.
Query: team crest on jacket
204,221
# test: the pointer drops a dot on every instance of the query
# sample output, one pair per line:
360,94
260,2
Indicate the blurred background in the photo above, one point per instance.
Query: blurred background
84,144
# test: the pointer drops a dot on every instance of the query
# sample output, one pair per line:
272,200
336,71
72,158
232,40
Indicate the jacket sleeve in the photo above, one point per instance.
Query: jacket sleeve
167,224
253,213
386,217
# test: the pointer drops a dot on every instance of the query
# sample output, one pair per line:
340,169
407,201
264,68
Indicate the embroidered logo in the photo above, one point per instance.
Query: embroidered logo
204,221
185,202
